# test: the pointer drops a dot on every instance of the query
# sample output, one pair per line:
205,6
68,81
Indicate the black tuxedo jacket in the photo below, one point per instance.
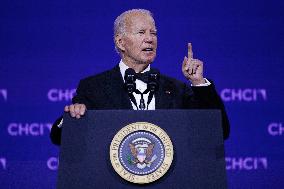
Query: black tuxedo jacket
106,91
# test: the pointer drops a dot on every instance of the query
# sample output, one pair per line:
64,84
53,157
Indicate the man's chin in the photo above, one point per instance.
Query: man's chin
147,60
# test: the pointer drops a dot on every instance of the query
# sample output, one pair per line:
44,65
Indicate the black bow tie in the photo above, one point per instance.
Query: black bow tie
143,76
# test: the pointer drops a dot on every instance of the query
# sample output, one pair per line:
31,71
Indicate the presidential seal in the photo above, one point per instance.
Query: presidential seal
141,152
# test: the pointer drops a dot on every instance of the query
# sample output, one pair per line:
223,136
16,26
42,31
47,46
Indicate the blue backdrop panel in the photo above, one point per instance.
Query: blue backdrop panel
46,47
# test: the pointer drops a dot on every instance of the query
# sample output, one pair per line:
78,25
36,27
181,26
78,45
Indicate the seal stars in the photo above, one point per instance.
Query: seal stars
141,152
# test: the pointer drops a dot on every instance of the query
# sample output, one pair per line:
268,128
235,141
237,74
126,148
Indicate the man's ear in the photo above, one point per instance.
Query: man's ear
119,42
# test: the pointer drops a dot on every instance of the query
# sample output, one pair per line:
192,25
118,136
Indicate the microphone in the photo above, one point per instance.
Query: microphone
129,78
153,84
130,85
153,80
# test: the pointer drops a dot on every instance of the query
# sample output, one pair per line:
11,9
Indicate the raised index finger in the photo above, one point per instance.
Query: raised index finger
190,53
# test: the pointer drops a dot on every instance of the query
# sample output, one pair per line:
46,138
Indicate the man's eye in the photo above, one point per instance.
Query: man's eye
154,33
141,32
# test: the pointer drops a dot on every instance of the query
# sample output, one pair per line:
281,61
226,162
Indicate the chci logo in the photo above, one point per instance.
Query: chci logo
141,152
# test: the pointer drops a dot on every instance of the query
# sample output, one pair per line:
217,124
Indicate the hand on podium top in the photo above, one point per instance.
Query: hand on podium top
76,110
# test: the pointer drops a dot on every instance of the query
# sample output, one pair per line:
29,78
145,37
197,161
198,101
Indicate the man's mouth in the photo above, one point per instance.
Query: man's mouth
148,49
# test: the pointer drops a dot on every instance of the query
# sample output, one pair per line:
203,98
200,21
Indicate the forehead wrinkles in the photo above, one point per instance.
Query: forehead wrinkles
131,21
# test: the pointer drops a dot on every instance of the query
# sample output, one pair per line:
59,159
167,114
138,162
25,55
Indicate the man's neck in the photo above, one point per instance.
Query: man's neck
137,67
123,67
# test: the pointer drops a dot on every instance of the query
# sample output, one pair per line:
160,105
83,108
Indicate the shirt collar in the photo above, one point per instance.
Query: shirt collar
123,67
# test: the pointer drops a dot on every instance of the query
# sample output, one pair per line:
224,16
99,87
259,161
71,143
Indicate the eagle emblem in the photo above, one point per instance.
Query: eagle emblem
141,153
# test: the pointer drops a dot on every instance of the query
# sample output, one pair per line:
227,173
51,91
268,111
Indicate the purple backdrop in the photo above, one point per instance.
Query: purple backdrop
47,46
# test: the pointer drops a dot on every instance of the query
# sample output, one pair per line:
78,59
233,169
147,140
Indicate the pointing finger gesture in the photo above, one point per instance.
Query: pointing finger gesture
193,68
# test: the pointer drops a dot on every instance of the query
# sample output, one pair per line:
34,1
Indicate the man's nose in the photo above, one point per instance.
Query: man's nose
148,38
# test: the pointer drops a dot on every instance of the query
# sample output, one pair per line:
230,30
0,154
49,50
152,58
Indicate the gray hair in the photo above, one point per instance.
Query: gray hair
120,23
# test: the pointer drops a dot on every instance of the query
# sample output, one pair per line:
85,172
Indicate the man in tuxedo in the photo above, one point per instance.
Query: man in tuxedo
135,38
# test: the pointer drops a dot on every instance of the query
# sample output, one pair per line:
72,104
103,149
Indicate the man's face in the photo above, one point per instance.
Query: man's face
139,44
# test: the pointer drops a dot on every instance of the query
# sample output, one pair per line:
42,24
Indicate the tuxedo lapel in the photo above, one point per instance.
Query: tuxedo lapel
164,98
115,90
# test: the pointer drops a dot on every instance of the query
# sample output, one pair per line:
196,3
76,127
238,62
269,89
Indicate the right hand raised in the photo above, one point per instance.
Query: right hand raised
76,110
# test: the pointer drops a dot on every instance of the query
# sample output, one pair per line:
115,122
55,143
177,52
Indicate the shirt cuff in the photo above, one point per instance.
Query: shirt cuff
60,124
207,83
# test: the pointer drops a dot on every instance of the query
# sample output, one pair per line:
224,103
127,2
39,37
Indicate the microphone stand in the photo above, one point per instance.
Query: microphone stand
130,85
152,84
152,87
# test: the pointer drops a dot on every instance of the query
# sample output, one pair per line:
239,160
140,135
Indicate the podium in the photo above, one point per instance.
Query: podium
196,135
